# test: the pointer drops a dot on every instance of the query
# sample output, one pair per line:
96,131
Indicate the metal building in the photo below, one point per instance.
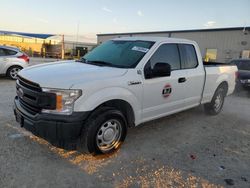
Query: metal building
47,45
221,44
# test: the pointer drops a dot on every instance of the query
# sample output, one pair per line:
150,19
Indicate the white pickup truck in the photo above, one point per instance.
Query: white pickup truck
90,103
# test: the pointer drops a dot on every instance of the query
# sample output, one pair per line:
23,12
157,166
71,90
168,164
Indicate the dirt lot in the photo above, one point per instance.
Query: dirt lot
189,149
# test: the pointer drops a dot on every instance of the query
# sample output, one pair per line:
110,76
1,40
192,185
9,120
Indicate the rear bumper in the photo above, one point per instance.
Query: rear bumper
60,130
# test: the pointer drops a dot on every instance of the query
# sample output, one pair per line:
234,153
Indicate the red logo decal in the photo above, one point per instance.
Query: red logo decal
167,90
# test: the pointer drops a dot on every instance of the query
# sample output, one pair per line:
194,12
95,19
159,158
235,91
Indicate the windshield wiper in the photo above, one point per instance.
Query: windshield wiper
104,63
82,60
101,63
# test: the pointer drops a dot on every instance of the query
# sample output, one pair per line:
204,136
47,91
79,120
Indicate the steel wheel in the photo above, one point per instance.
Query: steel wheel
108,135
13,71
104,131
218,102
215,106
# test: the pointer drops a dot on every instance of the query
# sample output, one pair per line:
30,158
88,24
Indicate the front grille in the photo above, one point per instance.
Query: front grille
28,84
31,109
31,97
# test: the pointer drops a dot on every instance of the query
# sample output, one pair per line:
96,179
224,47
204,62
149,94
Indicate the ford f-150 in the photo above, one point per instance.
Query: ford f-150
124,82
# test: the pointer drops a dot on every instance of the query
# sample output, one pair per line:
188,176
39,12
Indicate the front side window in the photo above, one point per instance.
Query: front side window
116,53
188,56
167,53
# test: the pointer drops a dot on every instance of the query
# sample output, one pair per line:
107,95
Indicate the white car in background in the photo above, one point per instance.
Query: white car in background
12,60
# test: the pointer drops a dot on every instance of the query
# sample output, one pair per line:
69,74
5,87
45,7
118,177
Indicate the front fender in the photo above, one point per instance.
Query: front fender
89,103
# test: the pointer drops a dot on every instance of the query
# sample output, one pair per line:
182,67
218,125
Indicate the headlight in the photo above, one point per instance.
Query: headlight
65,100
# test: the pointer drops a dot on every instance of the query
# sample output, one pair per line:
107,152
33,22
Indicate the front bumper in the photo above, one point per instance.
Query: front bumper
245,82
60,130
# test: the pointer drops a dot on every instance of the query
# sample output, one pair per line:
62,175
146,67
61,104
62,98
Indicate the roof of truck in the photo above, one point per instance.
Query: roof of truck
154,39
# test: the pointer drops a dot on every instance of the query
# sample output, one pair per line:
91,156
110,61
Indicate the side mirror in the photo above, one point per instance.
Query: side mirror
161,70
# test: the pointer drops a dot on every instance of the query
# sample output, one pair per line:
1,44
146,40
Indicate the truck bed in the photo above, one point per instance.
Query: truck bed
217,73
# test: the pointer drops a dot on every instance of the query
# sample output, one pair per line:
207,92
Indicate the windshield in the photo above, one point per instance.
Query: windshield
243,65
116,53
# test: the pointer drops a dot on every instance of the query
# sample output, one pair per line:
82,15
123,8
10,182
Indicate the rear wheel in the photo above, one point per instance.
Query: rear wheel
215,106
104,131
13,71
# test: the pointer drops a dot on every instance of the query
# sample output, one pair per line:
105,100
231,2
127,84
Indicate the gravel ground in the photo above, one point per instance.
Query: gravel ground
188,149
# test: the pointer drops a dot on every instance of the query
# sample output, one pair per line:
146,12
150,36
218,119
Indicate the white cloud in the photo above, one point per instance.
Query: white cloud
210,24
140,13
106,9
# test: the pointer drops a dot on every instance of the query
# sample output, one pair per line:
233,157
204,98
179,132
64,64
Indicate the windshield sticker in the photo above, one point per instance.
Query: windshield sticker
140,49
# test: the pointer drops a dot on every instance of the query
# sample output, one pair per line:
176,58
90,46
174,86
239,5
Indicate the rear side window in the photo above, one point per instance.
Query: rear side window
7,52
188,56
167,53
10,52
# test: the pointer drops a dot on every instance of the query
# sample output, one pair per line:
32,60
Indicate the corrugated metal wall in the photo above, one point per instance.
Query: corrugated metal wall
229,43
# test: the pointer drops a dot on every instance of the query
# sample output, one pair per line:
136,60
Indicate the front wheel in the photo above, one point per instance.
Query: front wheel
215,106
104,131
13,71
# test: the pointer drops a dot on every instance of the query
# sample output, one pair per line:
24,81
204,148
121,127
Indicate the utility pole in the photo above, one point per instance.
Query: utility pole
77,34
63,50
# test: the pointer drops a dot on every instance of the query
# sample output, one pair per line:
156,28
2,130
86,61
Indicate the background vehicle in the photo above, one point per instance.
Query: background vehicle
244,72
121,83
12,60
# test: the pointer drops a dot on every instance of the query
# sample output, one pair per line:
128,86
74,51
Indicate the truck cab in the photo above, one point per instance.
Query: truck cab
90,103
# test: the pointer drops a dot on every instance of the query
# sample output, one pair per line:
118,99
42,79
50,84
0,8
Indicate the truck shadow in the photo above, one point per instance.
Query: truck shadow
173,150
242,92
139,162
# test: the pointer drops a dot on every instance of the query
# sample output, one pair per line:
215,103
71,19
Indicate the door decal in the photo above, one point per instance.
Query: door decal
166,91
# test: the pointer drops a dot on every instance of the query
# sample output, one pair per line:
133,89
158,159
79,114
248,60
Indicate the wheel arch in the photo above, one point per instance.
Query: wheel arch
8,68
224,85
120,98
123,106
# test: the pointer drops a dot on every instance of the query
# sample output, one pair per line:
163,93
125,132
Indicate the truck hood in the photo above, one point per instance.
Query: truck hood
65,74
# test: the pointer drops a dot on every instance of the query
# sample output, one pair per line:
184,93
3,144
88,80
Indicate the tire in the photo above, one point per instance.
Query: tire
104,132
13,71
215,106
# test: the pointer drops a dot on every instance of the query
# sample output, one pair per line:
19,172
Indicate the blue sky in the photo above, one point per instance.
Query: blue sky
109,16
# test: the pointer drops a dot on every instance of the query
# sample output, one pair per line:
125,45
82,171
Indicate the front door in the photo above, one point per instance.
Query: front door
163,95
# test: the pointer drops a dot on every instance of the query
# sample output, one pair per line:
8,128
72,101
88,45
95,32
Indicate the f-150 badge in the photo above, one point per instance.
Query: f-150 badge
166,91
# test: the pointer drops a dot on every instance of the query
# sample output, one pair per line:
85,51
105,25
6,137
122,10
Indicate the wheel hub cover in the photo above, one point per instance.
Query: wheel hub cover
108,134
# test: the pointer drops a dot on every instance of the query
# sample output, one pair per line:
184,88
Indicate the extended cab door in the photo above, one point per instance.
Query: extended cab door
163,95
195,74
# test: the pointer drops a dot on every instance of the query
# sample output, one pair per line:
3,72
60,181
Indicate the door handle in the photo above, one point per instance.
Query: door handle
181,80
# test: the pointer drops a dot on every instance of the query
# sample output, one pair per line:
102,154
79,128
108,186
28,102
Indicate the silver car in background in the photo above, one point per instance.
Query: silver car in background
12,60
